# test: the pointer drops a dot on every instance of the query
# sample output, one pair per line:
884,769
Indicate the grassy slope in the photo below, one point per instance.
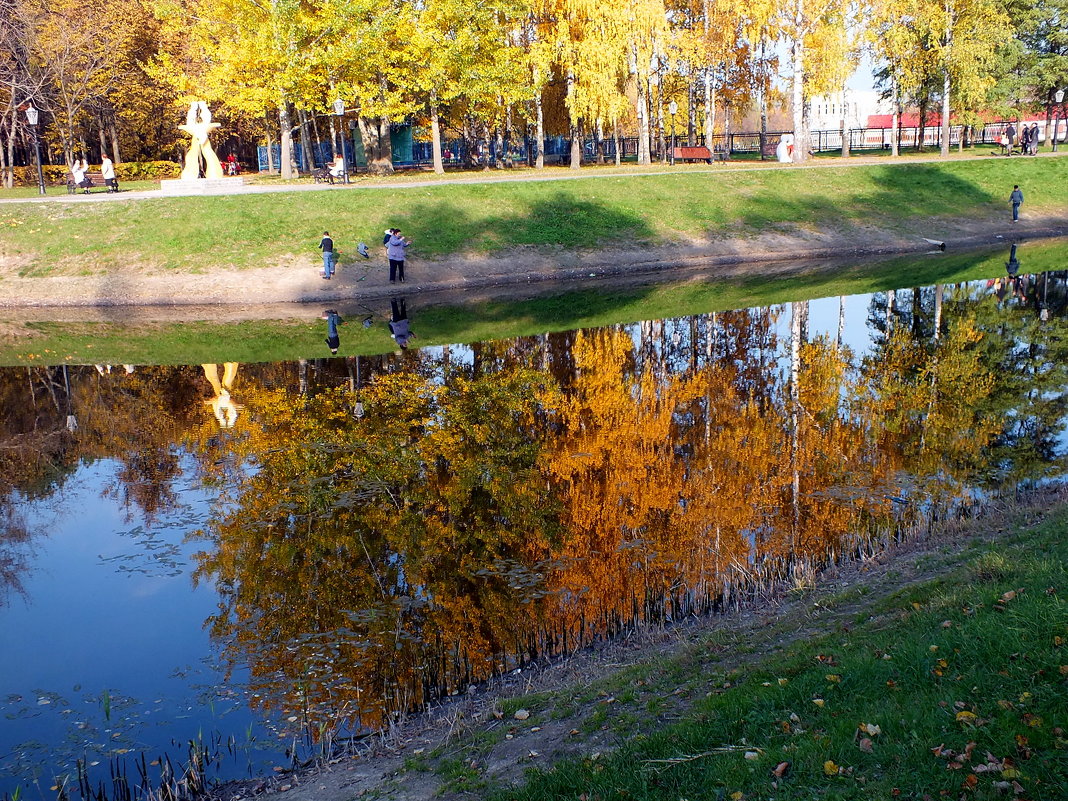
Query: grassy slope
266,340
974,661
202,234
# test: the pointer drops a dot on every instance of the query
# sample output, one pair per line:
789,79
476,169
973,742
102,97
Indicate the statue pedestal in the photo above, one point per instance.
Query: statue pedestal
202,186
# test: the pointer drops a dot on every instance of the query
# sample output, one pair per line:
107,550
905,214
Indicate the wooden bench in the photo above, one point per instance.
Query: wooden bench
93,180
721,153
693,153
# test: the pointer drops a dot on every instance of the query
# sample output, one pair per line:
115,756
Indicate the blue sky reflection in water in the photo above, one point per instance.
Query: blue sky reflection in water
495,500
107,610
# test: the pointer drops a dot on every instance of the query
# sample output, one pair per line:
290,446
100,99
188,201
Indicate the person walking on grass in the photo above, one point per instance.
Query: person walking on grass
396,246
333,320
1016,199
327,247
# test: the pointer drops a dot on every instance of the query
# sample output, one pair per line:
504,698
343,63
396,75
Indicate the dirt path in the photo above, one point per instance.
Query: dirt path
461,748
299,281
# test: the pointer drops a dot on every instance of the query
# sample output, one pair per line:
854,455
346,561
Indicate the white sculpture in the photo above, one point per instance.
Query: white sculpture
784,151
198,125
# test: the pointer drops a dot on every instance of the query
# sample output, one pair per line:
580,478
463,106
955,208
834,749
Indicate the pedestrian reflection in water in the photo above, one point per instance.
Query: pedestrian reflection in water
222,405
399,327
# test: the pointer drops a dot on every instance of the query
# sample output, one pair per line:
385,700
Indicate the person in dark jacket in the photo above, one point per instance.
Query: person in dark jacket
1016,199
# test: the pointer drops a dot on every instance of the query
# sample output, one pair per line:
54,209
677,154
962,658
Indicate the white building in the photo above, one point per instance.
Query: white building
853,105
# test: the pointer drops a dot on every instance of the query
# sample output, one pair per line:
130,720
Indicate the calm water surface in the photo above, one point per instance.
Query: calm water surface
250,557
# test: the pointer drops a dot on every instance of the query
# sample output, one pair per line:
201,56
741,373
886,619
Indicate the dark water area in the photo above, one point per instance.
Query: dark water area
209,569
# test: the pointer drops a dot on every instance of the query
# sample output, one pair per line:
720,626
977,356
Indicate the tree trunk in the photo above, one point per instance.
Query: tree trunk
114,141
435,135
710,111
661,137
488,154
641,107
944,150
499,155
925,101
376,144
798,96
286,156
598,138
844,125
615,136
307,154
539,161
895,121
576,146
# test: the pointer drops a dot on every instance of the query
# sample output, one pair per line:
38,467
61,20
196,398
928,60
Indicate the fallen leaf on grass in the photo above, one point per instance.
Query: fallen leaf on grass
865,745
818,702
829,768
781,770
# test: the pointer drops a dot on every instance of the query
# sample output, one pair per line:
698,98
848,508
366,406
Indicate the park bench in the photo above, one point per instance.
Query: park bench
92,180
693,153
721,153
768,151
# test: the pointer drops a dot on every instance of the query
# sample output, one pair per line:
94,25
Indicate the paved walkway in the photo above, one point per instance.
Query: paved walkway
523,174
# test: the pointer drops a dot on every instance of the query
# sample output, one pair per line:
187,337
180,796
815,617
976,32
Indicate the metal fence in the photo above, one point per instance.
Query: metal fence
558,148
748,144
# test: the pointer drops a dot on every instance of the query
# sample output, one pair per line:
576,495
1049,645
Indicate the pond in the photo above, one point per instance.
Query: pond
211,569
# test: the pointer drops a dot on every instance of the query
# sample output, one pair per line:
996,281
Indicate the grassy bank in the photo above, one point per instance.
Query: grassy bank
243,231
944,678
604,303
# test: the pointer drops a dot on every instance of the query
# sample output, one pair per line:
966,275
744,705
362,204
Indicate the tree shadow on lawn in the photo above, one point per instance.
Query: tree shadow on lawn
901,194
557,221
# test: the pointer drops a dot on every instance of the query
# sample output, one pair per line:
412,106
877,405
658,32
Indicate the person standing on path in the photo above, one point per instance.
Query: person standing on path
396,246
107,172
1011,133
333,320
327,247
1016,199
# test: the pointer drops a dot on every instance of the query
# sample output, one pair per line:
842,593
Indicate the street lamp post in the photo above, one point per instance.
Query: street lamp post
32,117
1058,98
339,110
673,109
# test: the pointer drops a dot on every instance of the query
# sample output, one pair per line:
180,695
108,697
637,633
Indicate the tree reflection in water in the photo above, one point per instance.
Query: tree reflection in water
515,499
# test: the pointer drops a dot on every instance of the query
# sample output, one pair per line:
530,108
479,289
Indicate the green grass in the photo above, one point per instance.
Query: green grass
61,191
131,342
974,662
201,234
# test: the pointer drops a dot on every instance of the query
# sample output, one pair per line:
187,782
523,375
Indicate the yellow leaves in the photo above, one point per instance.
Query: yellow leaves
818,702
830,768
871,729
833,678
966,717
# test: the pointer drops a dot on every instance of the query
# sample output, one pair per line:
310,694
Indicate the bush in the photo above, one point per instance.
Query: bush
147,170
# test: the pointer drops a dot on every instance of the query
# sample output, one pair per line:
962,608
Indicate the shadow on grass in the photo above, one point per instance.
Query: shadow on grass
560,220
899,193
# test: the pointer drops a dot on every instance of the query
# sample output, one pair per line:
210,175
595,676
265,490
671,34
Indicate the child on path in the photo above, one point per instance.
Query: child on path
333,320
327,247
396,245
1016,199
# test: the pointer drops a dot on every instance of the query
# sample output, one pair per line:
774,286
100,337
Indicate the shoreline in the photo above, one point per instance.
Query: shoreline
298,282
